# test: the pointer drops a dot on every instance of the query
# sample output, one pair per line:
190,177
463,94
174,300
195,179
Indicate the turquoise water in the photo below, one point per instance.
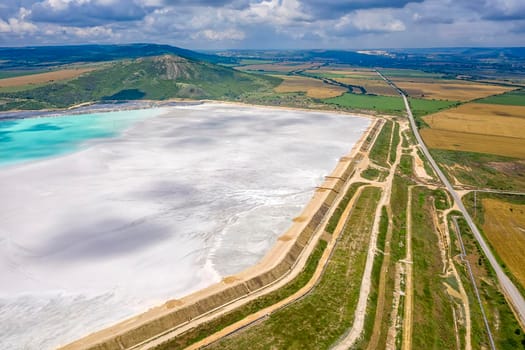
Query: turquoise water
33,138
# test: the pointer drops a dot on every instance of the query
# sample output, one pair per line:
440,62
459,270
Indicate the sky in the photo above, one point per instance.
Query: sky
267,24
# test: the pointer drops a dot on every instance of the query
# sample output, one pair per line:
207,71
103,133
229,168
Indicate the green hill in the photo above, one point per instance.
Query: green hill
154,78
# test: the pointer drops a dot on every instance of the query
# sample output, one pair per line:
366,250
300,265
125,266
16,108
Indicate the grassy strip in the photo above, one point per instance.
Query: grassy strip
491,171
202,331
398,204
371,307
321,317
505,329
432,309
406,165
334,219
395,142
513,98
379,152
381,104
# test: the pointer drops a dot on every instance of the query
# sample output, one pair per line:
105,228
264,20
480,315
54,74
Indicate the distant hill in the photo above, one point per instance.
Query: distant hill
37,57
155,78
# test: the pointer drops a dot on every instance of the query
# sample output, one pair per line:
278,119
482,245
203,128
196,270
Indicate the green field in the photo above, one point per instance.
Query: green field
421,107
381,104
432,309
514,98
379,152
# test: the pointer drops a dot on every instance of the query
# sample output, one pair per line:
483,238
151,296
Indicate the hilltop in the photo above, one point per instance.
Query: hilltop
41,57
156,78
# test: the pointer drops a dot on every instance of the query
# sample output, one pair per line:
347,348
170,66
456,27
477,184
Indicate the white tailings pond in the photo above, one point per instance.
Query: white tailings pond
170,205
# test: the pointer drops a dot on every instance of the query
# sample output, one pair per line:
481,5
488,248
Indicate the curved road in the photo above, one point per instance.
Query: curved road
512,293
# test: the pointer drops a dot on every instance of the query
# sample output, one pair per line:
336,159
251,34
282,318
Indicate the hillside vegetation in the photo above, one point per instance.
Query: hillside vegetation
155,78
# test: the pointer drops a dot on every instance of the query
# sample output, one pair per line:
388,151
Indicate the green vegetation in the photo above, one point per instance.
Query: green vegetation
441,200
371,307
380,104
508,334
421,107
432,309
320,318
482,170
155,78
406,165
515,98
202,331
395,143
379,152
336,216
374,174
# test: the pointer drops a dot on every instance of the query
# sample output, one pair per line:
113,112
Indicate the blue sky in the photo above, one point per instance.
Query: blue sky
215,24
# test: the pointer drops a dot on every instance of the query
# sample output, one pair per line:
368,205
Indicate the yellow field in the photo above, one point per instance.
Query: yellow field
314,88
284,67
476,127
485,119
453,90
41,78
504,227
461,141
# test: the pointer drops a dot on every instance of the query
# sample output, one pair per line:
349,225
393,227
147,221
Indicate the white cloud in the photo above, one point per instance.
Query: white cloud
17,26
228,34
371,21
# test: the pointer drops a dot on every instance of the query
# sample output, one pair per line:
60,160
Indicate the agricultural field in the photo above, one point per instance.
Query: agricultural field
440,89
282,67
475,127
368,79
409,73
380,104
504,227
41,78
460,141
514,98
314,88
421,107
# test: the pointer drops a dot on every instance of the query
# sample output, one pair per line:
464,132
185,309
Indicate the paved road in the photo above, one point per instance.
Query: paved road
513,294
